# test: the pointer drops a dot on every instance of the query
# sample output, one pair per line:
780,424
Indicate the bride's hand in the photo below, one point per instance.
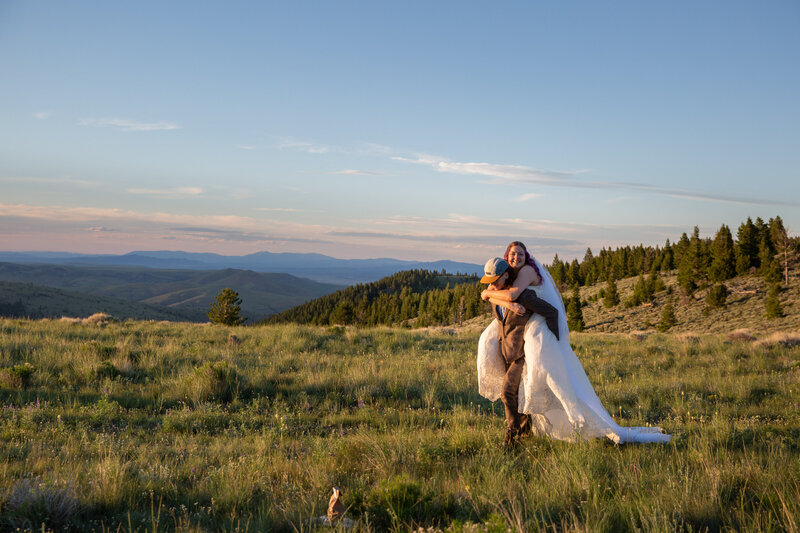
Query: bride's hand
517,308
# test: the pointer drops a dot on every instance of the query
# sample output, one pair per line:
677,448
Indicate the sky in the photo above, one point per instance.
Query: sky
414,130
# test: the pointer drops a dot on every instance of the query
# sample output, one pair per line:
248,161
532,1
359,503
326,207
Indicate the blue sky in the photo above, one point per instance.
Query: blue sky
415,130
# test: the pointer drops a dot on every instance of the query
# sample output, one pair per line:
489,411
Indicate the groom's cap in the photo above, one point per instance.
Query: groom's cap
493,269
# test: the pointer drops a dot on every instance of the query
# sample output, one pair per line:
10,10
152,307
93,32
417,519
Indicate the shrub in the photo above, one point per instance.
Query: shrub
17,376
611,296
716,296
668,318
32,503
213,381
773,302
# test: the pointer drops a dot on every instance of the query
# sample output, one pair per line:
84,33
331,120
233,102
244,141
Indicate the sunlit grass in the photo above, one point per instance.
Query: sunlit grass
153,426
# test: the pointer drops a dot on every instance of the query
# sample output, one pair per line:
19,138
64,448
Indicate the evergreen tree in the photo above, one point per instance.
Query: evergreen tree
655,283
773,302
746,247
574,273
559,271
640,293
723,261
668,318
785,254
686,276
343,313
574,312
680,247
692,268
716,296
766,256
667,258
225,310
611,296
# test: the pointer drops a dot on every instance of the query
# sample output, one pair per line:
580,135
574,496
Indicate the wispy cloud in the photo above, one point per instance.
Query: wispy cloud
520,174
176,192
35,179
101,229
503,173
529,196
41,115
246,147
129,125
354,172
279,209
304,146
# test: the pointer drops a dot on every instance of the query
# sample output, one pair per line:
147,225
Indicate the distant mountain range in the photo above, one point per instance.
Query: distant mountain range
185,294
320,268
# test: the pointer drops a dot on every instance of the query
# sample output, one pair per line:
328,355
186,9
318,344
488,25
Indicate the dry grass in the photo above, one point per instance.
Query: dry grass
96,319
170,427
780,339
742,335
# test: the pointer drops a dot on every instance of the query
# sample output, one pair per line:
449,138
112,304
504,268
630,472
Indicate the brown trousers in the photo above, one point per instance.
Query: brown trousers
510,393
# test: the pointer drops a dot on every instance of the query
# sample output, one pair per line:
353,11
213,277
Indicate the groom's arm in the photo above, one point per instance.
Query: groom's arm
536,305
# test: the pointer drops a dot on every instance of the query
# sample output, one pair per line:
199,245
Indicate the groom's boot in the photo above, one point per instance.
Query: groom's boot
512,437
525,425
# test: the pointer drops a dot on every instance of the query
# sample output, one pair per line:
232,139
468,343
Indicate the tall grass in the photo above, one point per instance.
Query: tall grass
138,426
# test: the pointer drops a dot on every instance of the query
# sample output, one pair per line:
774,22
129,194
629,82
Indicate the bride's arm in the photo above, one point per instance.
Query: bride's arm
526,276
514,307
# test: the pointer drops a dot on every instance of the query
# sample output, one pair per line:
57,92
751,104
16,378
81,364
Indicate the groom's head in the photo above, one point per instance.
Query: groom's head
496,272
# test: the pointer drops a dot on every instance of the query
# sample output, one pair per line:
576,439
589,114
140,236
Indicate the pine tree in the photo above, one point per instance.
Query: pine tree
574,273
668,258
766,256
746,247
716,296
640,293
574,312
558,271
723,261
225,310
772,303
668,318
680,247
785,254
611,296
692,268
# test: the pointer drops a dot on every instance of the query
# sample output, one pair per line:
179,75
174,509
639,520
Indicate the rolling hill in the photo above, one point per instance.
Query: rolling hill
188,292
29,300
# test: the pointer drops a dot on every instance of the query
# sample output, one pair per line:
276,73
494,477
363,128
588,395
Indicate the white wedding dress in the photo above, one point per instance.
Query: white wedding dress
554,388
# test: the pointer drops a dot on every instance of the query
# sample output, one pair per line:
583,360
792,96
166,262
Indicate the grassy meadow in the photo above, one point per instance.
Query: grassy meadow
144,426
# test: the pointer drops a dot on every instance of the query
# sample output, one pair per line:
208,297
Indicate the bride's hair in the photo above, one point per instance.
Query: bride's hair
528,259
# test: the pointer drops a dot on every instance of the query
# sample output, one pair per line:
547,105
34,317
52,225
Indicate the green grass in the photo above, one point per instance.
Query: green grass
175,427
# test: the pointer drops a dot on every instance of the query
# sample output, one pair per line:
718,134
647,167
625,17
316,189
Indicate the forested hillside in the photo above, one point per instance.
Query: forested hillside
426,297
699,268
761,247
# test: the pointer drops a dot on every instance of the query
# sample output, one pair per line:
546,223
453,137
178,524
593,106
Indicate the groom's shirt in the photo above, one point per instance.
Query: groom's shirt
512,325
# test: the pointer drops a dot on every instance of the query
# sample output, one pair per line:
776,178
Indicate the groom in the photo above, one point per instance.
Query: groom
512,327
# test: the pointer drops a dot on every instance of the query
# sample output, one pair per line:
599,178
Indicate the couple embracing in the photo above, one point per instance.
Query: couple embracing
525,359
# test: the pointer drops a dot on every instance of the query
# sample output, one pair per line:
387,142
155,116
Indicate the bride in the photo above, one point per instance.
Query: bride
554,389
